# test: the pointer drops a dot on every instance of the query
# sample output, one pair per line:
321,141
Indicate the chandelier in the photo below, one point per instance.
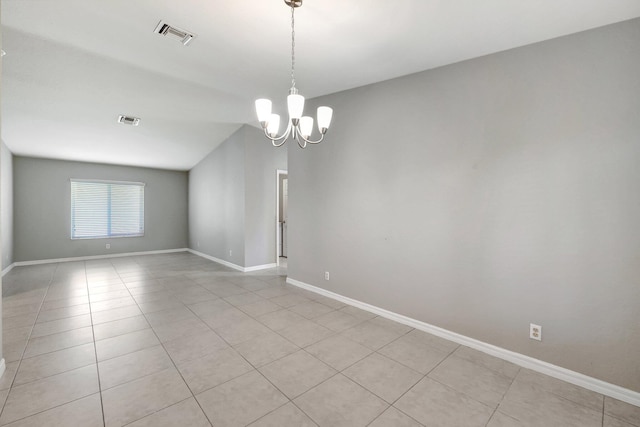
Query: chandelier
299,127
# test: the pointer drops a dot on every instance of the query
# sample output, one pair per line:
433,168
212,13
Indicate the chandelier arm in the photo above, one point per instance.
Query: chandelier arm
310,141
278,145
278,138
284,138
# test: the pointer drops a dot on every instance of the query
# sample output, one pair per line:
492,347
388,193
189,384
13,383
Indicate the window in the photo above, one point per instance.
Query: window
102,209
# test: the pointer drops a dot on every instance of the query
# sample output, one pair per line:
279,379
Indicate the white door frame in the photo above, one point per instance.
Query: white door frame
279,173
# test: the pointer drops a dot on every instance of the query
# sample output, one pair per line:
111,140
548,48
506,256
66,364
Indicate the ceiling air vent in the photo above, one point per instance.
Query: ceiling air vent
128,120
167,30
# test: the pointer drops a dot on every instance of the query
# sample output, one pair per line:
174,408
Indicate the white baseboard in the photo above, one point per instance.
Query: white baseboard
3,366
92,257
218,260
8,269
576,378
260,267
163,251
232,265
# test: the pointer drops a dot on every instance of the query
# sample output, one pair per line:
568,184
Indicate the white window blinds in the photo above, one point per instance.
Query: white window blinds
106,209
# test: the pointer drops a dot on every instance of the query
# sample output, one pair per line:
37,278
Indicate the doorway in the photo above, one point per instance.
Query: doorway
282,202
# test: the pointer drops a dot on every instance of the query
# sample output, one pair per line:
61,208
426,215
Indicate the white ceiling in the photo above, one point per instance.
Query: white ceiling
73,66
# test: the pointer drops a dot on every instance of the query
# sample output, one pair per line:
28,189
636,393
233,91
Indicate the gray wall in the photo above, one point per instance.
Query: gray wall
262,160
232,200
6,205
2,231
485,195
216,202
42,203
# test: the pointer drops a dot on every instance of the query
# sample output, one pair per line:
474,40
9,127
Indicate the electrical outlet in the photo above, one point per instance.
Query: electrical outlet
198,244
535,332
108,245
326,275
230,252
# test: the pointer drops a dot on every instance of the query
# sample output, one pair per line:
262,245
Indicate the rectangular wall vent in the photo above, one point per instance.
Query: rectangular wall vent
128,120
165,29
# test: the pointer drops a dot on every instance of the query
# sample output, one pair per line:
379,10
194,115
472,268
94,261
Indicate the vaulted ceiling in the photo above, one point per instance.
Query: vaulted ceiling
73,66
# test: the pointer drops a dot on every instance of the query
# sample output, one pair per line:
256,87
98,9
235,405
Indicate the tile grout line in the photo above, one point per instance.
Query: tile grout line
21,359
503,396
231,347
10,389
159,410
244,358
337,372
421,379
49,409
57,350
289,400
170,358
560,396
95,349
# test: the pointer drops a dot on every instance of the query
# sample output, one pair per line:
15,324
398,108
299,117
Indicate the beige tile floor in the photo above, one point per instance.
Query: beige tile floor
176,340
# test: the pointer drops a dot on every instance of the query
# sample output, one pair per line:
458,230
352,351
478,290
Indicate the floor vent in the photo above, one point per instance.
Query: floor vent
128,120
183,36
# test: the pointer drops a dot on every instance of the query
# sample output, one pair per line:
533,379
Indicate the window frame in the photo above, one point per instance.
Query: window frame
141,212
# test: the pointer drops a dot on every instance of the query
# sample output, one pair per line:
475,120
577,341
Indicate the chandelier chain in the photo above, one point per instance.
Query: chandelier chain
293,46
